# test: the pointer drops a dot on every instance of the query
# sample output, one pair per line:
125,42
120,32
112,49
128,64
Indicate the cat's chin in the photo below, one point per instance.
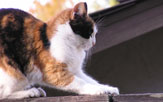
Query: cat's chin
88,49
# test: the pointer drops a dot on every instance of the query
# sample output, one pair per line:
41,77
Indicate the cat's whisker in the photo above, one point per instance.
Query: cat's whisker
100,24
99,21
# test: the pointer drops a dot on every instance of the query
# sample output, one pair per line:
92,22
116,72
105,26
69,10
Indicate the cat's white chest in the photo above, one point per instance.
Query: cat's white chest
63,53
63,48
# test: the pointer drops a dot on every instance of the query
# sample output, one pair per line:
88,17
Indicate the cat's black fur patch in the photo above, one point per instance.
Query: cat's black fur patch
85,4
44,37
81,26
12,39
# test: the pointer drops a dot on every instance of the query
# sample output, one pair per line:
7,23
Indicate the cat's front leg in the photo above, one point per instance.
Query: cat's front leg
67,81
81,86
57,75
90,80
87,78
32,92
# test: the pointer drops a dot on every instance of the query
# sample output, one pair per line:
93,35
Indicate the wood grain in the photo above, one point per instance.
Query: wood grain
101,98
147,97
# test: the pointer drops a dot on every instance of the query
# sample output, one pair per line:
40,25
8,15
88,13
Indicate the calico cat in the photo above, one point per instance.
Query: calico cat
50,54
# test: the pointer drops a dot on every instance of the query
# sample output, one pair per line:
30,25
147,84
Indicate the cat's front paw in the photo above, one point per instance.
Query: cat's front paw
111,90
90,89
36,92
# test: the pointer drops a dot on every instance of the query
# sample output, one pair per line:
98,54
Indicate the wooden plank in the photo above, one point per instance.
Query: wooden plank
149,97
101,98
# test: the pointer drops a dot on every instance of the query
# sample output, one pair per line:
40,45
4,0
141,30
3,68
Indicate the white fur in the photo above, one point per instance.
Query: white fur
70,48
10,87
35,76
81,86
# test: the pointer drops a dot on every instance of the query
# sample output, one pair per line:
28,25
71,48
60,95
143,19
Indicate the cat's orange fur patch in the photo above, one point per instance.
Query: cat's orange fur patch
10,70
54,72
33,32
5,20
60,18
9,18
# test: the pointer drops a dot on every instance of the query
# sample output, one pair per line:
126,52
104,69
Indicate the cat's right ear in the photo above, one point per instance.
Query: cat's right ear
80,10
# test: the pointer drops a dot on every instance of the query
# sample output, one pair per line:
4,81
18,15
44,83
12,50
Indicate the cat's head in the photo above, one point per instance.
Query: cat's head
83,25
76,25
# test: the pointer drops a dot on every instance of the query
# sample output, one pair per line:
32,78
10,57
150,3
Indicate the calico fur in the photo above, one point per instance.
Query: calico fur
50,54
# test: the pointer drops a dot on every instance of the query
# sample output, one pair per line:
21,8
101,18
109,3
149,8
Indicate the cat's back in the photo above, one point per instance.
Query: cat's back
17,24
18,31
13,19
6,11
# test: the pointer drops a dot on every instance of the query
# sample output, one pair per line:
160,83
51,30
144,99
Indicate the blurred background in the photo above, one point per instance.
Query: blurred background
45,9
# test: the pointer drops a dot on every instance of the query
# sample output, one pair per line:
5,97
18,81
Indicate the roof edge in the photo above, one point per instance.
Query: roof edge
108,11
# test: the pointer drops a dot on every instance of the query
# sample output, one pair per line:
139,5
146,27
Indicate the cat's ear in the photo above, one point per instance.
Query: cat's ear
80,10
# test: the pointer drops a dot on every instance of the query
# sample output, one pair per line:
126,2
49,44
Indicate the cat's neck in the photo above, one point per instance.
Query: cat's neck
67,47
58,19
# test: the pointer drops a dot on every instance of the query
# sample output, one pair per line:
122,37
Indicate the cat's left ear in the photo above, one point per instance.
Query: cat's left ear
80,10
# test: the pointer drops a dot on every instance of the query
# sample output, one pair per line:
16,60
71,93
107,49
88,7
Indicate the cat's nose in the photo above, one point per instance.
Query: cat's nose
93,43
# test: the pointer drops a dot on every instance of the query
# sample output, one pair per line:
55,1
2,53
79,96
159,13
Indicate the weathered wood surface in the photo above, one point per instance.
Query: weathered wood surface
149,97
101,98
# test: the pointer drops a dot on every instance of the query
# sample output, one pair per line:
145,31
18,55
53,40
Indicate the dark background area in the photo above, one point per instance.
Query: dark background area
135,66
